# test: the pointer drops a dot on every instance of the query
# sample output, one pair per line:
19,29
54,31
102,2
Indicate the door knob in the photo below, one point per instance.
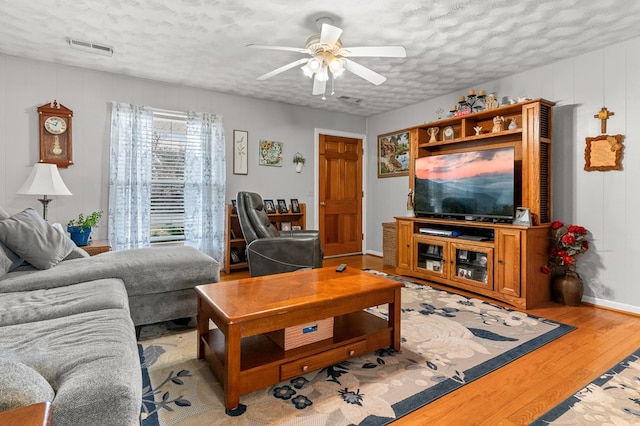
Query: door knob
322,203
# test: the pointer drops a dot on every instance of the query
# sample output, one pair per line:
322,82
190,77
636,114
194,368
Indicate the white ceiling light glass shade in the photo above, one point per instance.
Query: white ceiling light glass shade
336,66
323,74
315,64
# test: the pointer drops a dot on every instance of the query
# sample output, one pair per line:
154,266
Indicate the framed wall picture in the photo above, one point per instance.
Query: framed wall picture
603,153
240,151
393,154
270,153
295,205
282,206
269,207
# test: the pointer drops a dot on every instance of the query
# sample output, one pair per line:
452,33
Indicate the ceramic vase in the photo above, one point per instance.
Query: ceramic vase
568,289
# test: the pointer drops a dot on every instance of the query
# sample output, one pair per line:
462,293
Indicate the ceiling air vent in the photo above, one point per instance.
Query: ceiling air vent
349,99
87,46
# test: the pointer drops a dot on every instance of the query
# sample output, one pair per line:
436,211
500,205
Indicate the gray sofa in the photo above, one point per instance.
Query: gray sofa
67,324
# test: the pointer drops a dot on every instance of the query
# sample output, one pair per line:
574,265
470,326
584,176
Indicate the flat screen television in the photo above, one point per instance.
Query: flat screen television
477,185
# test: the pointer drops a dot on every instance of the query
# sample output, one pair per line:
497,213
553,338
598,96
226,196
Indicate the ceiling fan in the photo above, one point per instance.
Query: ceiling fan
328,58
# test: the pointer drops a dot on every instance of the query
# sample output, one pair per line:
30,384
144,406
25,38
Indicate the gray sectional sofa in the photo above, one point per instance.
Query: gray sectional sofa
67,321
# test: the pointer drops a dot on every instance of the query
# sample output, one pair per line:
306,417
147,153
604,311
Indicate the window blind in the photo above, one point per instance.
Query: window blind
169,145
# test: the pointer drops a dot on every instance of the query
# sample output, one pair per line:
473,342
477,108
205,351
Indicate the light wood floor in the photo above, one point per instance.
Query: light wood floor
521,391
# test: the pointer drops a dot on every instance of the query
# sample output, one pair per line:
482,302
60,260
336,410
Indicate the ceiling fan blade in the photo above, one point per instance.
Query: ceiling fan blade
377,51
283,69
285,48
319,86
329,35
364,72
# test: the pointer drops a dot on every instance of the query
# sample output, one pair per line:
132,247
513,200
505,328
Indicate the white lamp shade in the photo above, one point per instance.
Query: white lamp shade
44,180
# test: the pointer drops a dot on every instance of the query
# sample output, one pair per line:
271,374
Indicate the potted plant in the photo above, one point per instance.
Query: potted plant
298,161
80,229
568,243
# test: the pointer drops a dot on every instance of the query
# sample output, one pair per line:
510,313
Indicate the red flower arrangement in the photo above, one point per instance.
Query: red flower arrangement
568,244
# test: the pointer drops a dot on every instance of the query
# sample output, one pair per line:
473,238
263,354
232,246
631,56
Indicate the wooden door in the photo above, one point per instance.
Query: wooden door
340,195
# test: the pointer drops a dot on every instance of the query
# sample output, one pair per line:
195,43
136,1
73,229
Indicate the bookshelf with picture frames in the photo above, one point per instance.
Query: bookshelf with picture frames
235,245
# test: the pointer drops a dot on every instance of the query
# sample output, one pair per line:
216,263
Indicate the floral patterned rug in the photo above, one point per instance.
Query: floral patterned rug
448,340
611,399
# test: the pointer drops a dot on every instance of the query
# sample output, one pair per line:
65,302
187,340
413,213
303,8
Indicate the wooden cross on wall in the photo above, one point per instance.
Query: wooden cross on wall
603,116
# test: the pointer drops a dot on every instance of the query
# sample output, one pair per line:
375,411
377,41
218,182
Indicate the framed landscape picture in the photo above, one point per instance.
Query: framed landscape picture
393,154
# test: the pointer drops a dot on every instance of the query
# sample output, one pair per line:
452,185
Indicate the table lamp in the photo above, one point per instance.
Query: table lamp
44,180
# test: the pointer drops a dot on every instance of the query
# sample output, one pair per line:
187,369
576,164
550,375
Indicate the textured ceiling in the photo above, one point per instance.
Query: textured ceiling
450,44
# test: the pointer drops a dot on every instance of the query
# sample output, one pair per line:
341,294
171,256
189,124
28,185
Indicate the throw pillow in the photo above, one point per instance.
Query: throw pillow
8,260
33,239
4,214
21,385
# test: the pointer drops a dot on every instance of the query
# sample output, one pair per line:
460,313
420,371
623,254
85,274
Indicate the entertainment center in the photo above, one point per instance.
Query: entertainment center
463,235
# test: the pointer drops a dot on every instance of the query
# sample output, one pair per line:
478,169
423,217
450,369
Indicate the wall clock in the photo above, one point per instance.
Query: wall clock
55,134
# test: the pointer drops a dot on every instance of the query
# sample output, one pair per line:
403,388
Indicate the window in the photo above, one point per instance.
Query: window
166,179
167,176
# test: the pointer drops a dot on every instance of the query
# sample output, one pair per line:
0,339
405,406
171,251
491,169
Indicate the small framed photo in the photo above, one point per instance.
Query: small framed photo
295,206
285,226
433,265
463,255
235,255
282,206
269,207
465,273
234,207
296,228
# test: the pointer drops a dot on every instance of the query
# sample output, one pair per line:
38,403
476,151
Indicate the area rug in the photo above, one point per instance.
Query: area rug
447,341
611,399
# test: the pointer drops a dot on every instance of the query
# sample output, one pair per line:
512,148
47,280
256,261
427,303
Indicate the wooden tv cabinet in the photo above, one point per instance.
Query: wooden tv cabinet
497,260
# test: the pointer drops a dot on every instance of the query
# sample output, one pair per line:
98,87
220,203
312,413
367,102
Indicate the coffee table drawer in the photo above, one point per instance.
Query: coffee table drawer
324,359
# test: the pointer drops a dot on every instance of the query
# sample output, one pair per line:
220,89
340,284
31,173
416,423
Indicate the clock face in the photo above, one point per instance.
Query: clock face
55,125
448,133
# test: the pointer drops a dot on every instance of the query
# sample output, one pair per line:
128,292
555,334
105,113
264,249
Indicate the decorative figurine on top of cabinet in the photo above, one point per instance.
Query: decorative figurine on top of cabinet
491,102
498,124
513,124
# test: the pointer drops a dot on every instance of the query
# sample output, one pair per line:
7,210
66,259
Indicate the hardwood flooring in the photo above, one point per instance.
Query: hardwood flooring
521,391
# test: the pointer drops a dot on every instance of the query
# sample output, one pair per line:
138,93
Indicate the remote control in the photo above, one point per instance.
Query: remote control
341,268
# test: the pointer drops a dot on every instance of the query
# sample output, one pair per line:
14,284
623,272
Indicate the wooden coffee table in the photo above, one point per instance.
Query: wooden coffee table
244,359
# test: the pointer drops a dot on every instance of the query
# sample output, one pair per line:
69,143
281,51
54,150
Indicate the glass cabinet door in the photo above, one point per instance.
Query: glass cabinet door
430,256
473,265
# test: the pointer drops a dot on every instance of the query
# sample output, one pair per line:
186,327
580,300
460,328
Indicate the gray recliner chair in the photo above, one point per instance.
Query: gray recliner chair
270,251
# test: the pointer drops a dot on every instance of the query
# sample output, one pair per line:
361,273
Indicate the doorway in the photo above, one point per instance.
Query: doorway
340,194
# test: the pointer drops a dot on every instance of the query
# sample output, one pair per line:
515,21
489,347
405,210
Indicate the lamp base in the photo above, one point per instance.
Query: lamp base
45,202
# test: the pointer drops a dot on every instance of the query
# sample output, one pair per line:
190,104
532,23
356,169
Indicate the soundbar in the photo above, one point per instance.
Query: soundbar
439,232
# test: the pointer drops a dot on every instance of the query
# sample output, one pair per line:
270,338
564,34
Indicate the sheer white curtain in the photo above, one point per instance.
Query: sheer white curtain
204,192
130,176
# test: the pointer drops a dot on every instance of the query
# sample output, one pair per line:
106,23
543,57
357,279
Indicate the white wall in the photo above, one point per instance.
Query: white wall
604,202
27,84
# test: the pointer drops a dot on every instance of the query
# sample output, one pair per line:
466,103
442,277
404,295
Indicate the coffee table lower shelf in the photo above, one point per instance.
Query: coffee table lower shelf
264,363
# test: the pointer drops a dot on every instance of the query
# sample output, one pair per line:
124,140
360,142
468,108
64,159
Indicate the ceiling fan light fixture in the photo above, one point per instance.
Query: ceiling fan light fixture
306,69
